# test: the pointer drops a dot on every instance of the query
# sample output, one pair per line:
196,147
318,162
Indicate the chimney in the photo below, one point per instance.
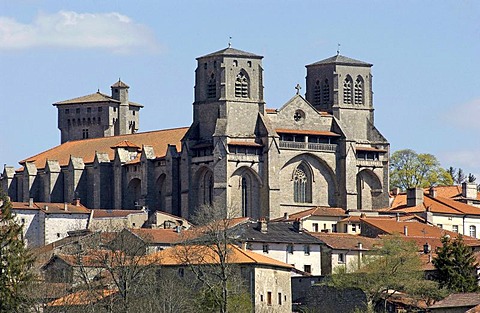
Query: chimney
285,215
469,190
178,229
414,196
432,192
360,246
398,217
395,191
262,225
45,208
297,225
30,203
65,206
76,202
405,230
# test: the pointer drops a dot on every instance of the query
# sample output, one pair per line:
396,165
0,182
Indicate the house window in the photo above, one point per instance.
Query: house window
58,235
265,248
279,298
307,268
473,231
347,90
241,86
455,228
302,185
341,258
100,109
67,111
85,133
315,227
354,228
89,110
334,228
306,249
269,298
261,298
23,221
249,63
290,248
440,225
77,111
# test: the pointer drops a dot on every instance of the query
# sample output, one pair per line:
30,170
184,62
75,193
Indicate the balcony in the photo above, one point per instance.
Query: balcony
328,147
369,163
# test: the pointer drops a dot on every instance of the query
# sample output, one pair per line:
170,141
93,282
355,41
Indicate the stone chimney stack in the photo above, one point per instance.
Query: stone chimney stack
297,225
262,225
405,230
469,190
432,192
414,196
30,203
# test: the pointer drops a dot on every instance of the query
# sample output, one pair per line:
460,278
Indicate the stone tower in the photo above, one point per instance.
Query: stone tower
98,115
228,102
342,86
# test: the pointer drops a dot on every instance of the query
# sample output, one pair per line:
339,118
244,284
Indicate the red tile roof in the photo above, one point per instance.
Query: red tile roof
51,208
97,213
83,297
458,300
318,211
86,148
160,235
197,255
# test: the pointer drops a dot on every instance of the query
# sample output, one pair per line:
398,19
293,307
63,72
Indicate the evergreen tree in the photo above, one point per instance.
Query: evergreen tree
15,262
456,265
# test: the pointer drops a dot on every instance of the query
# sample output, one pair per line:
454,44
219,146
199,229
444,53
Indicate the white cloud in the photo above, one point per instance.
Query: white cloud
68,29
466,115
468,160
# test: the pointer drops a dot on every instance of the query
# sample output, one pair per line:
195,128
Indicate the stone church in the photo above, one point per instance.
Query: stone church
319,149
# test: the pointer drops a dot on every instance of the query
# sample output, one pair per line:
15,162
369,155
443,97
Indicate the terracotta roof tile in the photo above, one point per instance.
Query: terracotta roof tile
83,297
91,98
125,144
120,84
318,211
160,235
198,254
86,148
51,208
97,213
458,300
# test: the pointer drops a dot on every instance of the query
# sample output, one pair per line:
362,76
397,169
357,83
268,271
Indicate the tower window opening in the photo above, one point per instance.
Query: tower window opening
325,92
212,87
358,91
317,93
347,91
241,86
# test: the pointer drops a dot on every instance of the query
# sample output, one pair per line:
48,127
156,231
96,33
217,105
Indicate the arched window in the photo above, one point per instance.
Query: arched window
359,90
212,87
241,86
325,92
245,196
302,185
347,90
317,93
208,189
473,231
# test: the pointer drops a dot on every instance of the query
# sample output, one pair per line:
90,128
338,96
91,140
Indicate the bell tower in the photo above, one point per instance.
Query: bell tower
228,92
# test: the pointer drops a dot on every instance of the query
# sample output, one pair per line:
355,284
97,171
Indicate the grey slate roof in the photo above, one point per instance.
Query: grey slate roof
232,52
341,60
276,233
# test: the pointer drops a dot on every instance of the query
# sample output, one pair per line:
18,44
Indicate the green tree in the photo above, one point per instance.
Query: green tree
15,262
409,169
456,265
393,267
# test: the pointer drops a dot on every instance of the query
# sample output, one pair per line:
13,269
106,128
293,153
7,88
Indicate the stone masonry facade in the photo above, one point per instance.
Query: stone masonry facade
321,149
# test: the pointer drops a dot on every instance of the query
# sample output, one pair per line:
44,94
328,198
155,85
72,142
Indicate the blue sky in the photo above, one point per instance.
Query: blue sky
426,56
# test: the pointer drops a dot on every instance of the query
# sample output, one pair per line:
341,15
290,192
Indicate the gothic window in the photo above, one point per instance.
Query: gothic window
317,93
241,86
359,91
245,196
208,189
325,92
347,90
302,185
212,87
85,133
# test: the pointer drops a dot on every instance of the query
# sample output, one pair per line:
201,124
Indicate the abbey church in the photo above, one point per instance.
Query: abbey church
320,149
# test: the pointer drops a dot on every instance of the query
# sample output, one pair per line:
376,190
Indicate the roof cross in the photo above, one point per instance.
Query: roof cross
298,87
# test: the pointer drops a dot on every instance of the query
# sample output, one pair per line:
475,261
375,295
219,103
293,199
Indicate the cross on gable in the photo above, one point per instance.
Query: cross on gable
298,87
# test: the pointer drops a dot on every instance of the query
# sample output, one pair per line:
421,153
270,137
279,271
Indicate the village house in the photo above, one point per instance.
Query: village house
116,220
440,206
285,242
316,219
44,223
